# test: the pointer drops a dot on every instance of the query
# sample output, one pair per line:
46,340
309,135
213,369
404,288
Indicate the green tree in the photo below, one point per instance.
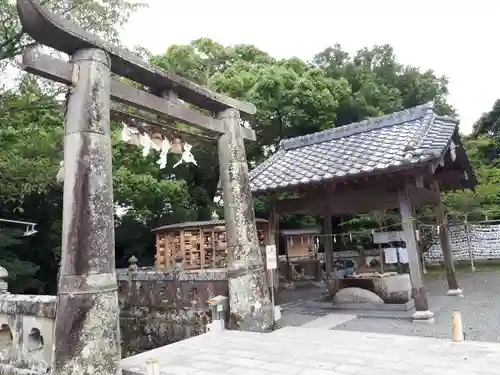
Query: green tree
100,17
489,122
483,152
295,97
31,136
21,271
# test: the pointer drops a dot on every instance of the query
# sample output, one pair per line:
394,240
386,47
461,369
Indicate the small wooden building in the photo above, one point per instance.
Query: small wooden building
200,244
301,243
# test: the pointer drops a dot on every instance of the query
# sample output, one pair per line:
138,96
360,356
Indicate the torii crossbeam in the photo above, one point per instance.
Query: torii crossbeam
87,337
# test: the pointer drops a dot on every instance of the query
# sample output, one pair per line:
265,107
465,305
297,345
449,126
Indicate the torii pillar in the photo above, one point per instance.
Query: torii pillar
249,298
87,326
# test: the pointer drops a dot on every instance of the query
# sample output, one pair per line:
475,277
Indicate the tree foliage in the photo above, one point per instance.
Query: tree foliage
103,18
489,122
293,97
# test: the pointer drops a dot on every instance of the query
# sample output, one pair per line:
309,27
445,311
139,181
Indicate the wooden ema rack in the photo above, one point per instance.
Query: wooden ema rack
200,245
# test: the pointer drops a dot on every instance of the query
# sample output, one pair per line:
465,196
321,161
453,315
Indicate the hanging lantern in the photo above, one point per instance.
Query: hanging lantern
176,146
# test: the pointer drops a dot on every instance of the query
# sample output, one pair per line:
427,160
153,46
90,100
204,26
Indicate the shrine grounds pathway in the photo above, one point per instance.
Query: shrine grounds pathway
319,343
317,351
480,308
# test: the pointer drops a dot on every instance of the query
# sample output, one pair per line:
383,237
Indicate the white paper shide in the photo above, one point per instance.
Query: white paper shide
157,142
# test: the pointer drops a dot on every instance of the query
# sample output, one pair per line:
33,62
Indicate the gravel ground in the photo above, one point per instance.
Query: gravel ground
480,309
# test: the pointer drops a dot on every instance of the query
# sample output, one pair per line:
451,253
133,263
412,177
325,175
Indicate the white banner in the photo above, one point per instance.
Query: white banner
271,261
388,237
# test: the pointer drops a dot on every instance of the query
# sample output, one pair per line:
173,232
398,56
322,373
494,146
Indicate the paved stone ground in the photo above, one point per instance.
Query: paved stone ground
310,351
290,298
480,309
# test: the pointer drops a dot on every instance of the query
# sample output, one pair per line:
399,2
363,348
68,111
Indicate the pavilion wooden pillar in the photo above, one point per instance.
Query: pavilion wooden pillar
419,294
328,241
272,234
249,298
444,240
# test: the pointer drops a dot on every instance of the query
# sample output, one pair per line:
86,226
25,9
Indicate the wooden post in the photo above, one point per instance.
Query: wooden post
249,297
202,249
328,245
271,239
87,330
418,291
378,218
469,246
444,240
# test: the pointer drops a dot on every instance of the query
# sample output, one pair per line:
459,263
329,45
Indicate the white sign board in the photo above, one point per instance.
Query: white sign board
271,261
388,237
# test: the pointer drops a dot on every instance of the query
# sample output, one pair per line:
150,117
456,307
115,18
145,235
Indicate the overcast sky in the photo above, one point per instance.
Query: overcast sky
455,38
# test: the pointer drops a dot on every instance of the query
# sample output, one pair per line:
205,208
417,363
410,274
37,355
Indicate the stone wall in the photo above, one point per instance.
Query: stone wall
156,309
26,328
159,308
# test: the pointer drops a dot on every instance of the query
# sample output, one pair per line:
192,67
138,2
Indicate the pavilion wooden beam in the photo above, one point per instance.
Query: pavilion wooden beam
64,72
450,175
340,203
421,196
345,202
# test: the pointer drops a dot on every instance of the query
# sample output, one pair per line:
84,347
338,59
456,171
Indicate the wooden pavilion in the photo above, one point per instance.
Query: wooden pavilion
403,160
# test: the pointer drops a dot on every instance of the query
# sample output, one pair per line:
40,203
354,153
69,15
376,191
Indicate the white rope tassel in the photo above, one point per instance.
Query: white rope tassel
165,148
145,140
156,142
187,156
60,173
127,134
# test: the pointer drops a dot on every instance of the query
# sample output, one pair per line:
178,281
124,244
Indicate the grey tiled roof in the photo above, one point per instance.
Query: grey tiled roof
396,141
199,224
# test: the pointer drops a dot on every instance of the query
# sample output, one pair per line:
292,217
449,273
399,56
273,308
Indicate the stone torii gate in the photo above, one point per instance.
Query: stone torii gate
87,337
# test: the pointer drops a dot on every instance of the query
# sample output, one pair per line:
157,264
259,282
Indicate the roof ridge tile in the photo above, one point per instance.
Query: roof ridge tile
409,114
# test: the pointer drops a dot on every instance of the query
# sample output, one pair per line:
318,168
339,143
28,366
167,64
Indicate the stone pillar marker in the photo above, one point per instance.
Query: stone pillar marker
87,333
249,297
